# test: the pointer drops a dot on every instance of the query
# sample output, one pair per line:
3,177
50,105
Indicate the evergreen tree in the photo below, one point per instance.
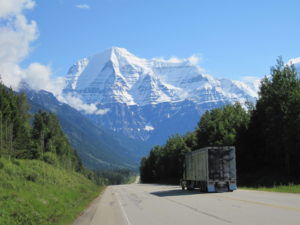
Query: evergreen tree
164,164
219,127
273,137
51,142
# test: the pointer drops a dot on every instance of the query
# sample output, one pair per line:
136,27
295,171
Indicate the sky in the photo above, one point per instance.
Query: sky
233,38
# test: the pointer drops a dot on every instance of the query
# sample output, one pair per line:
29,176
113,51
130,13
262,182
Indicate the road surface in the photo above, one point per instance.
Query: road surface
145,204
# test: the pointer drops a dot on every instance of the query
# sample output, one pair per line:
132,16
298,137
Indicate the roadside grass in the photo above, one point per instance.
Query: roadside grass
33,192
292,188
131,179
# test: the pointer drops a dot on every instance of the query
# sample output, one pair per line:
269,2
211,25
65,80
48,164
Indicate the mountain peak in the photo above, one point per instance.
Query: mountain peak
147,98
118,76
117,52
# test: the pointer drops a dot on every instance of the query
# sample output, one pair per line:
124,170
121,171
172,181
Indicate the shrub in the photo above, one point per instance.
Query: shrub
50,158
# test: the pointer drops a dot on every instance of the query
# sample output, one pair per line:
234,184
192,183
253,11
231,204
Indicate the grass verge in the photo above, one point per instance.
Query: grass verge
280,188
33,192
131,179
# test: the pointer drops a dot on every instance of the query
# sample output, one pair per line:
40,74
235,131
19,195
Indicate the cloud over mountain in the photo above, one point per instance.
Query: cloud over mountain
82,6
16,37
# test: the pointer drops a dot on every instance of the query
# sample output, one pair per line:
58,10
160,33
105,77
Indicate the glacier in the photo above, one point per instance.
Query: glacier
116,75
151,99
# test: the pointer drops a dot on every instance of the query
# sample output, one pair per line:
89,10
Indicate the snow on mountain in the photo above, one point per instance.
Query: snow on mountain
296,63
151,99
117,76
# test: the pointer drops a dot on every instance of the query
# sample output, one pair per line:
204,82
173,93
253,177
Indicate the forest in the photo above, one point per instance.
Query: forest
266,135
40,137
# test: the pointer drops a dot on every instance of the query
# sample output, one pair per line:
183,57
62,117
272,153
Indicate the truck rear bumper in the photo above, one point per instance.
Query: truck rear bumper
211,188
232,187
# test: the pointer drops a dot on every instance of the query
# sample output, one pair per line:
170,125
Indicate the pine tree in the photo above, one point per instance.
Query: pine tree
276,119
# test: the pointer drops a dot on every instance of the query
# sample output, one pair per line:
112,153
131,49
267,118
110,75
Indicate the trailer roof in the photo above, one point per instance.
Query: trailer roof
211,147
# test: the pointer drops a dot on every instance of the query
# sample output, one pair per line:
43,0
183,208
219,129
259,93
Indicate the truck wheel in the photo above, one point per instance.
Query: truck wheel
229,190
183,187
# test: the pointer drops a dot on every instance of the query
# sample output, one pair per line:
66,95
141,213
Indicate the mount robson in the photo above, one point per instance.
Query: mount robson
138,103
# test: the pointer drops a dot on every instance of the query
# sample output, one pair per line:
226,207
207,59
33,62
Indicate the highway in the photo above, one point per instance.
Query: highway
149,204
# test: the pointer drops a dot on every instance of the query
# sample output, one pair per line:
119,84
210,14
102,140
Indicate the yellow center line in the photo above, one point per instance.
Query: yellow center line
259,203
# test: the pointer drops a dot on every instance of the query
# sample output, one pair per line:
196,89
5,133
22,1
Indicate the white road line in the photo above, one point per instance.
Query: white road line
122,209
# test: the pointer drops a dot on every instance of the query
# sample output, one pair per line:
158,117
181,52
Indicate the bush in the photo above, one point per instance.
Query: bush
50,158
1,165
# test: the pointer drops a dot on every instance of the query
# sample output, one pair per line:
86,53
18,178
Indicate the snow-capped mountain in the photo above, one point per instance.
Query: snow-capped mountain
118,76
150,99
296,63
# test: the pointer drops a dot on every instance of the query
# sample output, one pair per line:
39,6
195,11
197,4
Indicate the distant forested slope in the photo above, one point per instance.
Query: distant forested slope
266,136
98,148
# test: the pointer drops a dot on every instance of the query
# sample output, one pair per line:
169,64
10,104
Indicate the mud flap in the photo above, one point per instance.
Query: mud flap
232,187
211,188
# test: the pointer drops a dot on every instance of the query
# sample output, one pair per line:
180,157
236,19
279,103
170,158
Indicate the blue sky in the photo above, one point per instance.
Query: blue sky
234,38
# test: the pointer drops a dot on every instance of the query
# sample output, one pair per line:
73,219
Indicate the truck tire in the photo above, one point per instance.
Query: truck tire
229,190
190,186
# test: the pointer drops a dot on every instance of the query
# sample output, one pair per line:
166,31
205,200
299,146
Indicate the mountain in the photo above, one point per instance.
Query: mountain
97,148
296,63
150,100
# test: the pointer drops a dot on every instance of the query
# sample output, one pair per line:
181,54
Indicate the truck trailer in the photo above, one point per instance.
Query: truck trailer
211,169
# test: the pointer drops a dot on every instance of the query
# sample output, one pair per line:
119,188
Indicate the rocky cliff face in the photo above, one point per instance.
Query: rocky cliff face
152,99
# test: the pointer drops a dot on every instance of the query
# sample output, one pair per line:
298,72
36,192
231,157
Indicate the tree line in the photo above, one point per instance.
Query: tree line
40,137
266,135
36,137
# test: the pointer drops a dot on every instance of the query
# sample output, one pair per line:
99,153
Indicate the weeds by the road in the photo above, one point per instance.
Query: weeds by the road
34,192
280,188
131,179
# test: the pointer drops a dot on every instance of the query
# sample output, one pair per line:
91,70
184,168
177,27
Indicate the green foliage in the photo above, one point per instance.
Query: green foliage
117,176
272,141
43,140
14,124
266,136
291,188
44,187
164,164
219,127
49,138
191,141
50,158
33,192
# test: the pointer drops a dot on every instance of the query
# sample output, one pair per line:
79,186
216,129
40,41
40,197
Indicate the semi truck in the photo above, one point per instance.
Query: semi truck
211,169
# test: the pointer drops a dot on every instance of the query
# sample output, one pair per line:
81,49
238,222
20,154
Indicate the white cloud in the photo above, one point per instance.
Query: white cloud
252,82
102,111
192,60
294,61
14,7
15,39
16,35
77,103
82,6
148,128
38,77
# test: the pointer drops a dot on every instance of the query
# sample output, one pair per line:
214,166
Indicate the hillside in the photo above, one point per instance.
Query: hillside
34,192
97,147
144,98
266,136
42,180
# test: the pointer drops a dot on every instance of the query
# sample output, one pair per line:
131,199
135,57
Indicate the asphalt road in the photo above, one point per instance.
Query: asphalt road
145,204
